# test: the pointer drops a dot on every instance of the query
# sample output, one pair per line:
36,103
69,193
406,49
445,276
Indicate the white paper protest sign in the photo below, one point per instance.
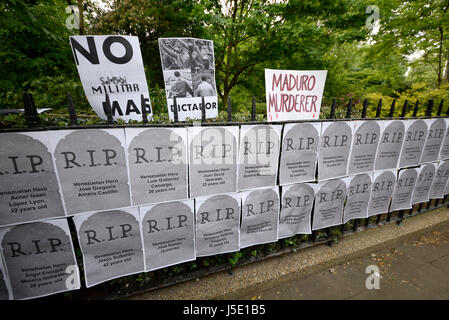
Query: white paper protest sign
293,94
168,233
435,136
39,258
92,168
5,289
426,173
329,201
157,163
111,244
335,148
258,156
364,147
260,216
189,74
390,144
414,140
444,151
299,154
382,190
446,189
439,181
359,194
213,160
403,191
217,224
112,65
29,189
296,210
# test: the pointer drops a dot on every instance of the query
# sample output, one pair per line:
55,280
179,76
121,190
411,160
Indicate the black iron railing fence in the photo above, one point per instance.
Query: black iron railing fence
140,283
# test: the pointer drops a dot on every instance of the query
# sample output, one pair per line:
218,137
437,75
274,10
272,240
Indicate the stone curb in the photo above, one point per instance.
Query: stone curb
268,272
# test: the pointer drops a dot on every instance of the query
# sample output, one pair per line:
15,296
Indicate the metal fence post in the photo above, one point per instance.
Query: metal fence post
30,112
71,109
108,109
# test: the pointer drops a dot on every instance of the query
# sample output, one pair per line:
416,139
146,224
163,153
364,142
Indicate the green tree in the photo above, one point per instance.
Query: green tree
418,26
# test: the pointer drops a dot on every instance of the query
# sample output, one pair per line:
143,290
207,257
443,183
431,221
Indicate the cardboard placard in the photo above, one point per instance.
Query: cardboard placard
364,147
296,210
111,244
382,190
444,151
92,169
390,144
39,258
335,148
299,154
112,65
188,65
293,94
414,140
217,224
260,216
403,191
435,136
157,164
426,174
329,201
258,156
213,160
440,180
29,189
359,194
168,233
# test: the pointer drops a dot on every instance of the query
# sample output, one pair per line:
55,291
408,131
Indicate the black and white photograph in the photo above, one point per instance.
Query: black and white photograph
189,71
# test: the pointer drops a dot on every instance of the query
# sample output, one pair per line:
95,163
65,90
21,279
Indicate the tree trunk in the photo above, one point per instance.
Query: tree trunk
81,16
446,68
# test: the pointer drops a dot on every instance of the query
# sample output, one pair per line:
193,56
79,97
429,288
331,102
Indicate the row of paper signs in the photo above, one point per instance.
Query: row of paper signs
103,169
40,260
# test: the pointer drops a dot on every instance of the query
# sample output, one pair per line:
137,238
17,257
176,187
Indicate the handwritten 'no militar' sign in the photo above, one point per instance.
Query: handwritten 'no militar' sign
294,95
112,65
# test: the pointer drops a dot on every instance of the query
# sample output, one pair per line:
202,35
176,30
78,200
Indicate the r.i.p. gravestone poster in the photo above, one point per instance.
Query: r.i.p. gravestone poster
382,190
188,65
157,162
217,224
111,244
5,292
435,136
213,160
390,144
403,191
335,148
260,216
329,201
413,145
299,154
440,180
364,147
92,169
29,189
296,209
426,173
39,258
112,65
168,233
444,151
258,156
293,94
359,194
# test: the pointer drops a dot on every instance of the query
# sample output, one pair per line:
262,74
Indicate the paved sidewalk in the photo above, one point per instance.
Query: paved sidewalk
414,269
305,274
